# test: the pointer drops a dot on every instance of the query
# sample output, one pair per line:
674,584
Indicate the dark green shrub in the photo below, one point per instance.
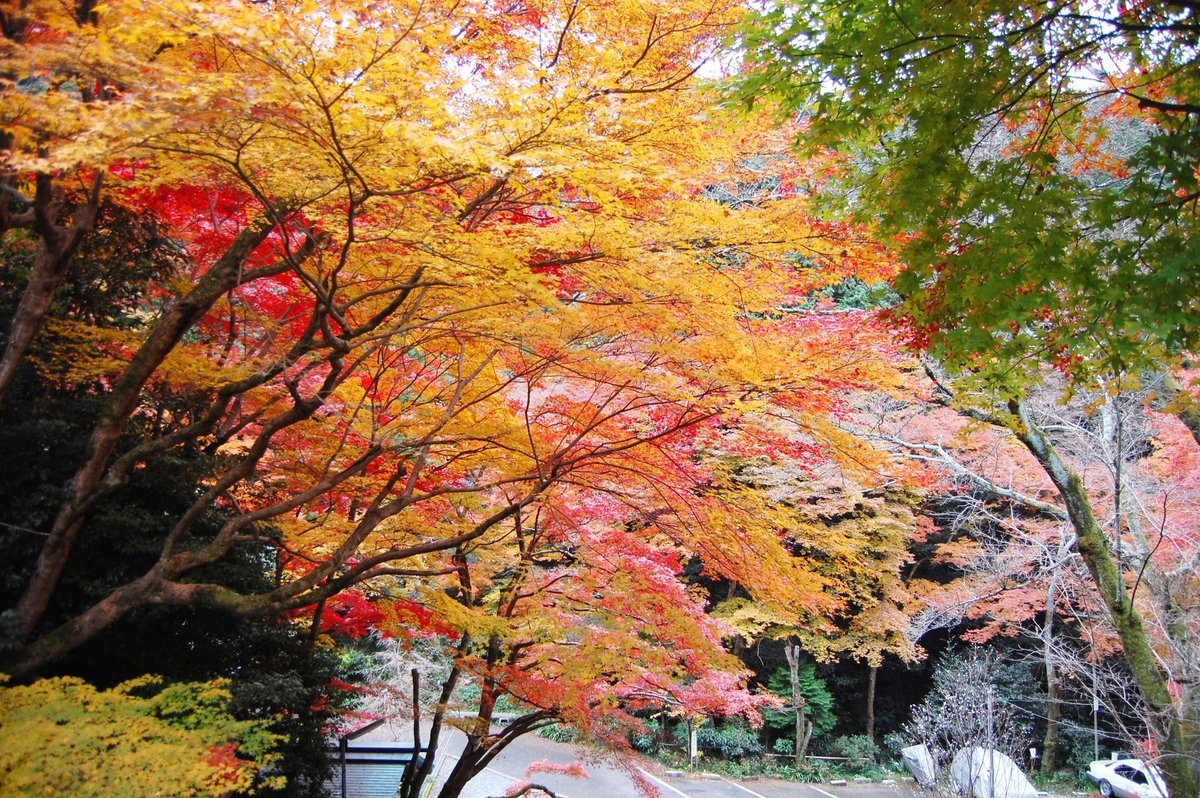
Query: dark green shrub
734,739
648,738
860,751
559,733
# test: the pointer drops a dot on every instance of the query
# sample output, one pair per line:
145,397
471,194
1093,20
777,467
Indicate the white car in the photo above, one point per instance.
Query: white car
1127,778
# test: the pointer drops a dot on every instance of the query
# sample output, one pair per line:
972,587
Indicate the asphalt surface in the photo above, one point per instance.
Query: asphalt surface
517,765
604,780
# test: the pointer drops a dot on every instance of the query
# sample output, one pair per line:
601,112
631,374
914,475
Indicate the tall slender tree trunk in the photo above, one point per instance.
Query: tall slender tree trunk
804,729
1053,725
414,778
872,673
1053,708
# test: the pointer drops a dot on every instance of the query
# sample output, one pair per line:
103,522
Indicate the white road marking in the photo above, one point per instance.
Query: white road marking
662,783
740,787
818,789
503,775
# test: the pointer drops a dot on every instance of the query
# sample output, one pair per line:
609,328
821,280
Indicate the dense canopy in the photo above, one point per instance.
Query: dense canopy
499,340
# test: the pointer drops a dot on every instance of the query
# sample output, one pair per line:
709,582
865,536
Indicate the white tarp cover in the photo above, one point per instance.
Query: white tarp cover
972,774
919,762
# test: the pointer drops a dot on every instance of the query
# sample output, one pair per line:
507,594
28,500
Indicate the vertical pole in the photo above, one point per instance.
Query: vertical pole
416,683
408,784
693,748
1095,711
991,709
342,744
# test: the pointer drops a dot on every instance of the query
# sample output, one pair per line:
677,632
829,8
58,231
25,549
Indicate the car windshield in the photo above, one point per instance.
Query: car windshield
1154,778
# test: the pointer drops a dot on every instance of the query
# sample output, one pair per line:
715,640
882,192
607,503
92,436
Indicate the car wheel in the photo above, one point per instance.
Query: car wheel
1106,789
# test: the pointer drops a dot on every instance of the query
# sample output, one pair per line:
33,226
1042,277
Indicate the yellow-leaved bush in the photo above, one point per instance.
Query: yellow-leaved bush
63,736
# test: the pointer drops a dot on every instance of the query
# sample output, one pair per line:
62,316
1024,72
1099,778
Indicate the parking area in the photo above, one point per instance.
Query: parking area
716,787
535,759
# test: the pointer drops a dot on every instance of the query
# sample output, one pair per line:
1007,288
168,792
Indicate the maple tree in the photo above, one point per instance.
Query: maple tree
1016,575
1022,573
574,619
1035,165
404,313
858,539
574,610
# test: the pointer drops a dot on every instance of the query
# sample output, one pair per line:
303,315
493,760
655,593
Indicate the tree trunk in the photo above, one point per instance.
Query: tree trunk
1094,547
414,778
55,251
1053,708
804,730
482,747
791,650
56,643
464,770
871,675
122,401
1053,724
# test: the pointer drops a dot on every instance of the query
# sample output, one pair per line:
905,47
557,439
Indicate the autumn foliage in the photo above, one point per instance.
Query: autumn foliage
481,323
480,307
180,740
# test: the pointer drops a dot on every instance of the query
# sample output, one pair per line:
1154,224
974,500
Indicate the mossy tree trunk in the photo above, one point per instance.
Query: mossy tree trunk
1094,547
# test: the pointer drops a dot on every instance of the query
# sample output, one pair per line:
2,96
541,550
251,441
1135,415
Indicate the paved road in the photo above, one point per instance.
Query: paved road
607,781
773,788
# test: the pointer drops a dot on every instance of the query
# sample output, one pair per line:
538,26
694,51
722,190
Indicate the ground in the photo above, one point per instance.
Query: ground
606,781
